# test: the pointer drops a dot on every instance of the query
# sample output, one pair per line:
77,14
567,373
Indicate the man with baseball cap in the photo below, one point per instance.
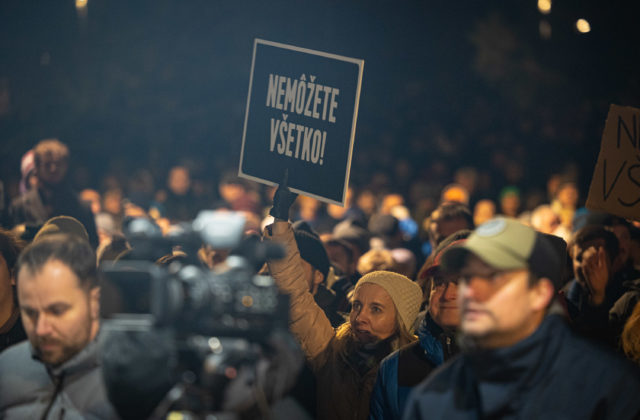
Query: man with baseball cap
519,359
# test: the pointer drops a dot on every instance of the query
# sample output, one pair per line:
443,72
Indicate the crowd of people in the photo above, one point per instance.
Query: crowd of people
406,304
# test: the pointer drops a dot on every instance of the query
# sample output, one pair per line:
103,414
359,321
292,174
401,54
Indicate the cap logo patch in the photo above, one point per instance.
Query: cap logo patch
491,228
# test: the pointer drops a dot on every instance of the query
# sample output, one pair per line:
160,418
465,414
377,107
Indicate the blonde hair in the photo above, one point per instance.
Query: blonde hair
375,260
631,335
346,342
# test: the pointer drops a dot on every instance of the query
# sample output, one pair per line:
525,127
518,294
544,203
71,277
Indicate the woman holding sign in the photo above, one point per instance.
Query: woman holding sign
345,360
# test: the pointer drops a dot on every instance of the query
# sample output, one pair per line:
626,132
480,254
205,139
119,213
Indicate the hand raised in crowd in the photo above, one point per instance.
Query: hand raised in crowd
283,199
596,273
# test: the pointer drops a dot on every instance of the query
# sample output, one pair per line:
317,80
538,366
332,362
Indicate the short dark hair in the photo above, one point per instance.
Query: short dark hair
449,210
10,248
591,233
72,251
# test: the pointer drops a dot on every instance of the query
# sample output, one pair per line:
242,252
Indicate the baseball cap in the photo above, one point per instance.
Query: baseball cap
506,244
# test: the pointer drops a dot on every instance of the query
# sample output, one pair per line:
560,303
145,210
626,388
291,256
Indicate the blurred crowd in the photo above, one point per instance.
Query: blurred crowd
398,223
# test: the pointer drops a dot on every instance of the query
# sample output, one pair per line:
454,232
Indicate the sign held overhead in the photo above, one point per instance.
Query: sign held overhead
301,115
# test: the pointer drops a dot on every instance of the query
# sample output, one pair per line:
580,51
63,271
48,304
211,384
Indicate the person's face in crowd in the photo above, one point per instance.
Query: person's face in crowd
483,211
580,254
624,242
32,180
112,202
549,221
340,259
52,168
373,314
568,195
231,192
93,198
179,180
6,281
449,226
312,276
499,308
510,204
59,316
443,300
309,207
389,201
366,202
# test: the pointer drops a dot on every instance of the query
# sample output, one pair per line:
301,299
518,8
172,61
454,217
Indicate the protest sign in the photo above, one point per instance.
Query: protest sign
615,186
301,116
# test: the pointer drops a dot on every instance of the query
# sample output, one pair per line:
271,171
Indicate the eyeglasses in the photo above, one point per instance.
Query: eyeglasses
485,285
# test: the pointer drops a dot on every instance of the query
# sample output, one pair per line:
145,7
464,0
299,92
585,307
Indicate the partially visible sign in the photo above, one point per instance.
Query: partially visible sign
615,186
301,116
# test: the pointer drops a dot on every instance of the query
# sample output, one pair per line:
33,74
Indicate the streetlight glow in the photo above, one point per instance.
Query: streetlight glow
583,26
544,6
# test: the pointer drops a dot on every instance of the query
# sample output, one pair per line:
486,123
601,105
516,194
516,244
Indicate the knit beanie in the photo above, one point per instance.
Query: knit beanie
405,293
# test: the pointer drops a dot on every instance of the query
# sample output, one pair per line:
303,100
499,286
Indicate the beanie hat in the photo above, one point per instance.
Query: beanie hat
62,224
405,294
312,250
353,233
384,225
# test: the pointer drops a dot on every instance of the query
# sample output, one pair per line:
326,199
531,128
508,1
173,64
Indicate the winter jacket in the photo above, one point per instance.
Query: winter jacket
344,382
73,390
552,374
405,368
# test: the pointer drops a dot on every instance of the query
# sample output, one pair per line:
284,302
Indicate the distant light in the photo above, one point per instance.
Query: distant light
81,4
247,301
545,29
544,6
583,26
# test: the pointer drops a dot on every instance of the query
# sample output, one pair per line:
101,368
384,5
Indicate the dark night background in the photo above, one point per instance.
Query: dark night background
147,83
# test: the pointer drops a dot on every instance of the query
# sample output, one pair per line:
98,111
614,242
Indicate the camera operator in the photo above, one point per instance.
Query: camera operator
56,374
345,360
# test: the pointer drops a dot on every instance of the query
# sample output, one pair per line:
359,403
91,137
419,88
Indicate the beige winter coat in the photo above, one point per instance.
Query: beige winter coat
343,392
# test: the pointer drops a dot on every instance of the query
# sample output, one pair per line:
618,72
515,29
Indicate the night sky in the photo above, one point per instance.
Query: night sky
146,83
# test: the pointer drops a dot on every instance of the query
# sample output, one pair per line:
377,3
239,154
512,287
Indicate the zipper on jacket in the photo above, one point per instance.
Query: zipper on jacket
58,381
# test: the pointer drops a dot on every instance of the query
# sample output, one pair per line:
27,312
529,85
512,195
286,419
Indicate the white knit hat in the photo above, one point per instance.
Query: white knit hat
405,293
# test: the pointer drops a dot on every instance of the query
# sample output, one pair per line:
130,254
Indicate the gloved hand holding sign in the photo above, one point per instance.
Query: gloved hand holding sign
283,199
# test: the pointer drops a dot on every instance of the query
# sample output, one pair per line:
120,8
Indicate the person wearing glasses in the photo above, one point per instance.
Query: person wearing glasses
519,359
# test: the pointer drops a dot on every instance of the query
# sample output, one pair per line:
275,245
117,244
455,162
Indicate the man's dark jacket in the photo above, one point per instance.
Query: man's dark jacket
553,374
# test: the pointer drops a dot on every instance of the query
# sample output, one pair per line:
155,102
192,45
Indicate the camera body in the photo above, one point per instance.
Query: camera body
207,325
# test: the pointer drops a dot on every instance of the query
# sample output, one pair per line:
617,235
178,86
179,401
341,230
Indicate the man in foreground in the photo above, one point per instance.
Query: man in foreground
56,373
519,358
